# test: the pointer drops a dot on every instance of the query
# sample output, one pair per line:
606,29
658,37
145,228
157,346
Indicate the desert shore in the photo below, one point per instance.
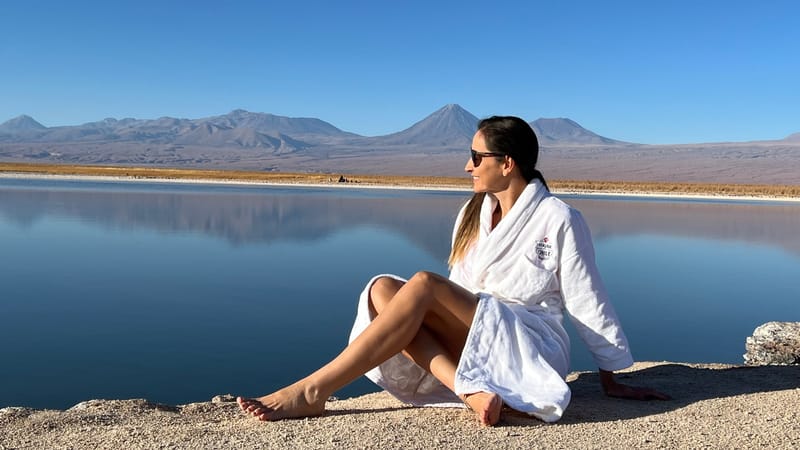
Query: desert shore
330,182
713,406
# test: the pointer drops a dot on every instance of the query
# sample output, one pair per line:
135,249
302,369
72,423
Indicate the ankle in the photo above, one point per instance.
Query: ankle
313,394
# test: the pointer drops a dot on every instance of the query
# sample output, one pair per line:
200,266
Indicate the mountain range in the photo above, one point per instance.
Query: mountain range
450,126
436,145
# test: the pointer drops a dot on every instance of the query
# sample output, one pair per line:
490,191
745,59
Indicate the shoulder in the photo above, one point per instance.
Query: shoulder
555,209
567,223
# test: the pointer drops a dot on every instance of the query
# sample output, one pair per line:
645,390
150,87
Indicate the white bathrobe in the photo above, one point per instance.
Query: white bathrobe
535,265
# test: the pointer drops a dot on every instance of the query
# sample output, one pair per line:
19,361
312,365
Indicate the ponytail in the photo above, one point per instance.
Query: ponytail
467,229
536,175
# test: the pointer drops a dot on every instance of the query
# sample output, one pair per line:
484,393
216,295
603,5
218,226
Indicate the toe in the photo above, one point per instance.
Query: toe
246,405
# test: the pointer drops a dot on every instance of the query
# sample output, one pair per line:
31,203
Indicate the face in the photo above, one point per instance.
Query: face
489,175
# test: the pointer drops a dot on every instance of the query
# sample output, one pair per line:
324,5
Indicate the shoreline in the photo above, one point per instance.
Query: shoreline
712,406
652,195
229,182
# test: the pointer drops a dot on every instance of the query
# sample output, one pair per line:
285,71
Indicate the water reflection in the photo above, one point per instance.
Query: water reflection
773,224
244,215
239,215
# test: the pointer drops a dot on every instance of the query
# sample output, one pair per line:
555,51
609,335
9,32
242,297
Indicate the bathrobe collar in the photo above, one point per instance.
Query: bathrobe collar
493,244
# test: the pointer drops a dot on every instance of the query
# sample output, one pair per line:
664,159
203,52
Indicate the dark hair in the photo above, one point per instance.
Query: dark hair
513,136
509,136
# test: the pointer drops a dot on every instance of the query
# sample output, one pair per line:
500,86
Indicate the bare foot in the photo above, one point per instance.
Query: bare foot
290,402
486,405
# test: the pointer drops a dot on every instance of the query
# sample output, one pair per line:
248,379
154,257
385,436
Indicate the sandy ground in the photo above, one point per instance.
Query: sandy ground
713,406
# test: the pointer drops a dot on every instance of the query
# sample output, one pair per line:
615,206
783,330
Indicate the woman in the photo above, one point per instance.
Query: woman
492,334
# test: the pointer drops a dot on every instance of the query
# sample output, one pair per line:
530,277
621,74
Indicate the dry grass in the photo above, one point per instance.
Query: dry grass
743,190
748,190
229,175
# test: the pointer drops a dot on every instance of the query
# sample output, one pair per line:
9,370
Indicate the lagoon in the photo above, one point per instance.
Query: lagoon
178,292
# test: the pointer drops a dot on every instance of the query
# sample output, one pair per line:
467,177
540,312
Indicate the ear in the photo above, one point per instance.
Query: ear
508,166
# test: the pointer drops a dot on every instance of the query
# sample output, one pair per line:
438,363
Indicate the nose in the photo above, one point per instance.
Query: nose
469,167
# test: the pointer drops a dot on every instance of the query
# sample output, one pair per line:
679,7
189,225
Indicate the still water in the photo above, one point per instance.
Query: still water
176,293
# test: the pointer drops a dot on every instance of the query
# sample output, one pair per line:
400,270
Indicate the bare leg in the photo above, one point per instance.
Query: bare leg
429,352
427,299
436,355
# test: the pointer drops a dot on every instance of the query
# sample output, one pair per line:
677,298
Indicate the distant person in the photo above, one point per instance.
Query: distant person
491,334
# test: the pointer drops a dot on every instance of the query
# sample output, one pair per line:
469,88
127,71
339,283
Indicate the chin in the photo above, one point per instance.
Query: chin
476,186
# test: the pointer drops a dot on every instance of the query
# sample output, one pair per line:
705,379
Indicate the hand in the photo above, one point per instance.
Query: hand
614,389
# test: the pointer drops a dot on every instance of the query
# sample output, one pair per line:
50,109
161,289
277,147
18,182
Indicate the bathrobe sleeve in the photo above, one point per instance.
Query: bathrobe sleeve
586,300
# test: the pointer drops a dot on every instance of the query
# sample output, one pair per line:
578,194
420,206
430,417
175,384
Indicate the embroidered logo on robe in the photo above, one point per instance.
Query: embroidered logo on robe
544,249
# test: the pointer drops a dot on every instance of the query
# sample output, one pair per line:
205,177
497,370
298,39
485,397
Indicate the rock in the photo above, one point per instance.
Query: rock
88,404
135,404
223,398
16,411
774,343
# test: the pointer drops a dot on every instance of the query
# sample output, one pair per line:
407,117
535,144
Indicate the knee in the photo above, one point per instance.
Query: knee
426,286
385,286
382,290
425,280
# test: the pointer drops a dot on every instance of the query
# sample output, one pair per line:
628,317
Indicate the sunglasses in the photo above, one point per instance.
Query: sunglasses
477,157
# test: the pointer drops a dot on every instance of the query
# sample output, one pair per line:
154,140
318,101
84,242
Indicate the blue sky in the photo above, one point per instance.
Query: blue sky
650,72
